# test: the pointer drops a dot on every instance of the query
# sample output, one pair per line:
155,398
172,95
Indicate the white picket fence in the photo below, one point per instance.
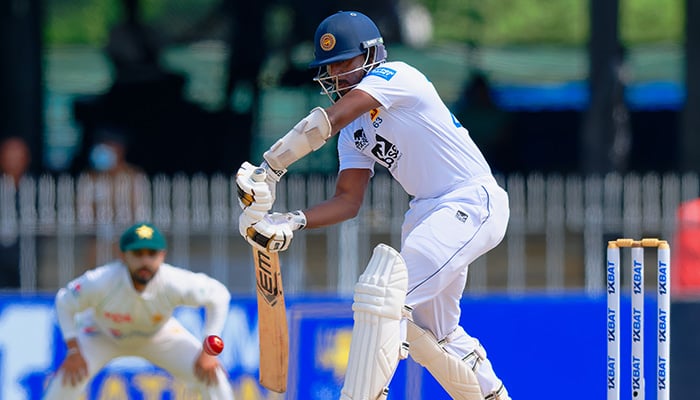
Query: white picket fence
556,239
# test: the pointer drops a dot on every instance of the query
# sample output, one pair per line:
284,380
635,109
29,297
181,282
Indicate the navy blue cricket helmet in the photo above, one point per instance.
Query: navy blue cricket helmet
340,37
344,35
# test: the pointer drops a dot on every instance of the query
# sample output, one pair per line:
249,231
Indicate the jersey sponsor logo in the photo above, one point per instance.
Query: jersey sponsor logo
375,118
386,152
117,317
383,72
360,139
461,216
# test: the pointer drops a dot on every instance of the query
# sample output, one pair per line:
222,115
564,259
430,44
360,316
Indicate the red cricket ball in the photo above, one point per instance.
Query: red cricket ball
213,345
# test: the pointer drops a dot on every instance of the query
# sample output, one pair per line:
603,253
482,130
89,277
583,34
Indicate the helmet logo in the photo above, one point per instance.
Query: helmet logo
327,42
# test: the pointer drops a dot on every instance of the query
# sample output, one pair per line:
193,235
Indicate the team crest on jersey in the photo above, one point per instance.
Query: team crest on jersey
386,152
360,139
383,72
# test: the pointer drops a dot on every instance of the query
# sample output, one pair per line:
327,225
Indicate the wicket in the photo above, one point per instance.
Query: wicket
663,318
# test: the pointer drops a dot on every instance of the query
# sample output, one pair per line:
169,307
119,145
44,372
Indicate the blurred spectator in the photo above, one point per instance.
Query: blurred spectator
117,187
108,154
487,123
15,158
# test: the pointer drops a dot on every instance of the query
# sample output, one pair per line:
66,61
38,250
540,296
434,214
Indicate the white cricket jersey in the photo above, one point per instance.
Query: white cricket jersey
412,134
121,312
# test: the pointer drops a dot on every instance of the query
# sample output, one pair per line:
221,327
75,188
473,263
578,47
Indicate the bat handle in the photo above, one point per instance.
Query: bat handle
259,174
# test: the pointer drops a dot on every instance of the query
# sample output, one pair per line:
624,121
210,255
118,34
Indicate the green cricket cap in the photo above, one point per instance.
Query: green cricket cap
142,236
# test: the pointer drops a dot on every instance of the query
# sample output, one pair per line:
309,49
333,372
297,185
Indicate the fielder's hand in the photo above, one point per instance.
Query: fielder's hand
254,196
274,232
74,368
205,367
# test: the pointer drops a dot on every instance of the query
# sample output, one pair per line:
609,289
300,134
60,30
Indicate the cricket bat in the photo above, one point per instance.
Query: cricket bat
272,317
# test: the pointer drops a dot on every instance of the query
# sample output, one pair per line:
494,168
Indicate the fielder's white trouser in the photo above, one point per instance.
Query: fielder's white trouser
173,348
440,238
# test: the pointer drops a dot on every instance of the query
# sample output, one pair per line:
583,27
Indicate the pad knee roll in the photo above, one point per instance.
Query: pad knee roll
376,344
456,376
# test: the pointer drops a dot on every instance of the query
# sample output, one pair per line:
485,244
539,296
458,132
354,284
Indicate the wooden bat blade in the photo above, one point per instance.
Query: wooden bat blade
272,321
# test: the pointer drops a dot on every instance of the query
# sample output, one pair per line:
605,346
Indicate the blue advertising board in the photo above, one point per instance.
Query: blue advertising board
537,344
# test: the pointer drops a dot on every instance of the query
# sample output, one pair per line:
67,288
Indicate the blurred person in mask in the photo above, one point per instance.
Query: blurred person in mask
114,186
109,155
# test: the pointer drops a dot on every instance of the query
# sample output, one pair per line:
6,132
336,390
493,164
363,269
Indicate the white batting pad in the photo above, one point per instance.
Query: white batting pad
454,375
376,343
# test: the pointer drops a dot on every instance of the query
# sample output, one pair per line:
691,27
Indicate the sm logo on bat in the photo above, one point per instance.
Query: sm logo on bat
268,278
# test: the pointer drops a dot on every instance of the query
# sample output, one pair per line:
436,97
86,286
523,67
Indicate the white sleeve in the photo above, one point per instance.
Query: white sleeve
200,290
393,84
348,155
66,308
216,308
74,298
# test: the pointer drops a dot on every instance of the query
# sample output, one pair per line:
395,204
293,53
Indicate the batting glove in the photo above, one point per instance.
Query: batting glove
274,232
254,197
272,176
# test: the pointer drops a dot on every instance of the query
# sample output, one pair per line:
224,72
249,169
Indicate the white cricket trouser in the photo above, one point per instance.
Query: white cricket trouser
172,348
440,238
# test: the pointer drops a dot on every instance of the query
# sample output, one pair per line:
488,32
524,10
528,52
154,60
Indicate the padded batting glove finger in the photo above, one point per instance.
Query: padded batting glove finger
245,221
273,238
275,231
254,197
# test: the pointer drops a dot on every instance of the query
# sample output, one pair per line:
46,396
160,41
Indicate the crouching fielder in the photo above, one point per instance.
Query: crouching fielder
388,113
125,308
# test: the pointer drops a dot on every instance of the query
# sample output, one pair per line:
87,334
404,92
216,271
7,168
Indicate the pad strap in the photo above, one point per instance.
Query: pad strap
472,359
500,394
455,375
